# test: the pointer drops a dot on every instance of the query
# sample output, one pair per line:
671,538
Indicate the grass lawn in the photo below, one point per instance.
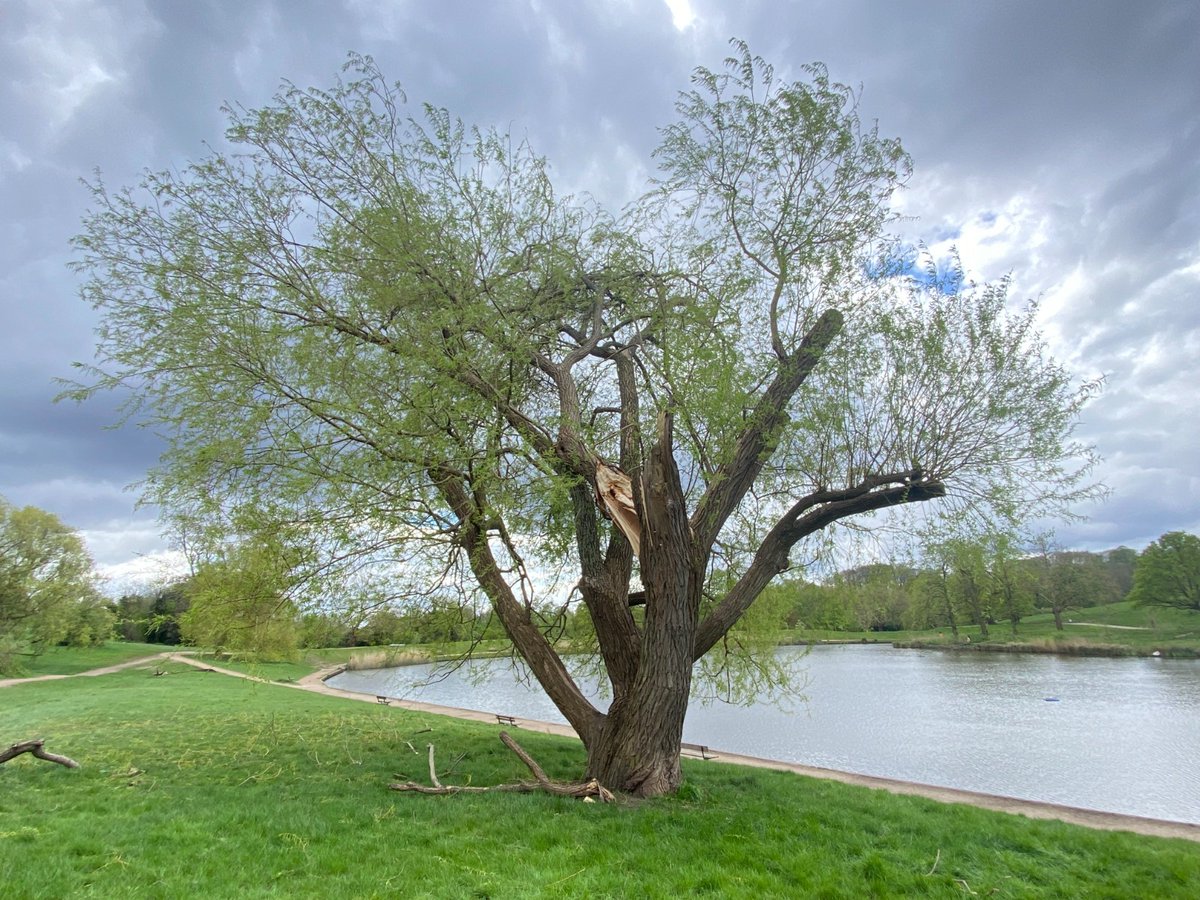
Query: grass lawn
69,660
200,785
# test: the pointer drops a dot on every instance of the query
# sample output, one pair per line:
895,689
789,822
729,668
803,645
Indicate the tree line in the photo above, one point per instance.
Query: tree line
983,583
962,583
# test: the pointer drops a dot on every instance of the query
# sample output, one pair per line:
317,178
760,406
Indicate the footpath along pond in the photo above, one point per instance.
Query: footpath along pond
1119,735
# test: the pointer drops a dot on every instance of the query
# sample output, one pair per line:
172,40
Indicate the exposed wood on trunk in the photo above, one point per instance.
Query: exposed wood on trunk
614,490
36,748
584,790
638,751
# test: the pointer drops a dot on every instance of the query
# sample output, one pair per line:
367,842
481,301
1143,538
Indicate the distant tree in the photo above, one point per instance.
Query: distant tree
935,599
1070,579
812,606
385,626
876,596
167,606
1120,563
1012,582
394,335
320,629
1168,572
239,602
966,580
132,614
48,589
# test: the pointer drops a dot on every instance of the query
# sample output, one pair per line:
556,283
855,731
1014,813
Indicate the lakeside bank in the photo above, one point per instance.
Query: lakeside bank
1030,808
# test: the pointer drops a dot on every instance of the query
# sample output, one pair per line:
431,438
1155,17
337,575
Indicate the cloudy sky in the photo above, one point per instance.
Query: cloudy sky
1058,142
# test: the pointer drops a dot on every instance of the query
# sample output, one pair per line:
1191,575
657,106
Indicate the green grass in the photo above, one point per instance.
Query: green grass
70,660
200,785
1143,630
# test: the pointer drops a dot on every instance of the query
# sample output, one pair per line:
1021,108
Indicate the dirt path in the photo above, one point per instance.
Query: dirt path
91,673
315,683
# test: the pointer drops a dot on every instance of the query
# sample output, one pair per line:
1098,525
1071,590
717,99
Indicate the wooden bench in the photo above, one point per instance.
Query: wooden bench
705,752
505,720
386,701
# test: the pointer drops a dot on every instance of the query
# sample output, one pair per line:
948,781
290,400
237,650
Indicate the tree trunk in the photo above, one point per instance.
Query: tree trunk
1058,618
637,748
638,752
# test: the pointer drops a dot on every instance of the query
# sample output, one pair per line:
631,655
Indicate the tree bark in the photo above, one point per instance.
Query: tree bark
637,750
543,661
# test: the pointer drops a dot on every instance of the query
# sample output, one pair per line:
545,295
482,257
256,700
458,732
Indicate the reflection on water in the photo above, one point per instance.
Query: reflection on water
1114,734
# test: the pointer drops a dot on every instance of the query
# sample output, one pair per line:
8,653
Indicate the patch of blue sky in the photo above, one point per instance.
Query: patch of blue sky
944,275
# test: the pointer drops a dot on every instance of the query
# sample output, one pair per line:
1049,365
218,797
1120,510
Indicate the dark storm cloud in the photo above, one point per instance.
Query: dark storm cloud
1058,142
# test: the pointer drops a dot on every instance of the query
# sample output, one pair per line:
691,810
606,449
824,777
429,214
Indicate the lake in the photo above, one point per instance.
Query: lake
1120,735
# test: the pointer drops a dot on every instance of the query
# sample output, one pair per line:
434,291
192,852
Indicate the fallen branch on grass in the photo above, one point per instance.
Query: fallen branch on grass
584,790
35,747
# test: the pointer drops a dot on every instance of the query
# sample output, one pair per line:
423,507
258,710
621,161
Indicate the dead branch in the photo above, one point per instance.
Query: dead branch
937,859
584,790
530,763
35,747
433,779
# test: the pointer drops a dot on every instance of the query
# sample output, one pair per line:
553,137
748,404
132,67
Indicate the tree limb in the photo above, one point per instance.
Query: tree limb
583,790
35,747
756,443
545,664
819,510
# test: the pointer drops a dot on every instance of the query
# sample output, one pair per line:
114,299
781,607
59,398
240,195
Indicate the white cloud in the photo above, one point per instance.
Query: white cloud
682,14
142,573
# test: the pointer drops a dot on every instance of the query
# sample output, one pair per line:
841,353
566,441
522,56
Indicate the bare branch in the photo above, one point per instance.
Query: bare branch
36,748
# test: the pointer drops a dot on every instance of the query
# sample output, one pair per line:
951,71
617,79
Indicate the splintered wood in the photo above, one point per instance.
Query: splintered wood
614,491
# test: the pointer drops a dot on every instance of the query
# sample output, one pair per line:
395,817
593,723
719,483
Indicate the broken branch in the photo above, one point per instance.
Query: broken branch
433,769
586,790
35,747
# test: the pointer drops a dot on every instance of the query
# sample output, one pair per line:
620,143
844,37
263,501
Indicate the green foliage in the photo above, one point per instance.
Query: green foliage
1168,572
1120,563
238,602
318,629
47,587
153,617
387,340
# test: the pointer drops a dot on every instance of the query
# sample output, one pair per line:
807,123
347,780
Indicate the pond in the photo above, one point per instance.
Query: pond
1120,735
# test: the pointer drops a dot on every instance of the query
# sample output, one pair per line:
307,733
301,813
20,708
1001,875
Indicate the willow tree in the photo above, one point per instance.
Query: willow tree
387,335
